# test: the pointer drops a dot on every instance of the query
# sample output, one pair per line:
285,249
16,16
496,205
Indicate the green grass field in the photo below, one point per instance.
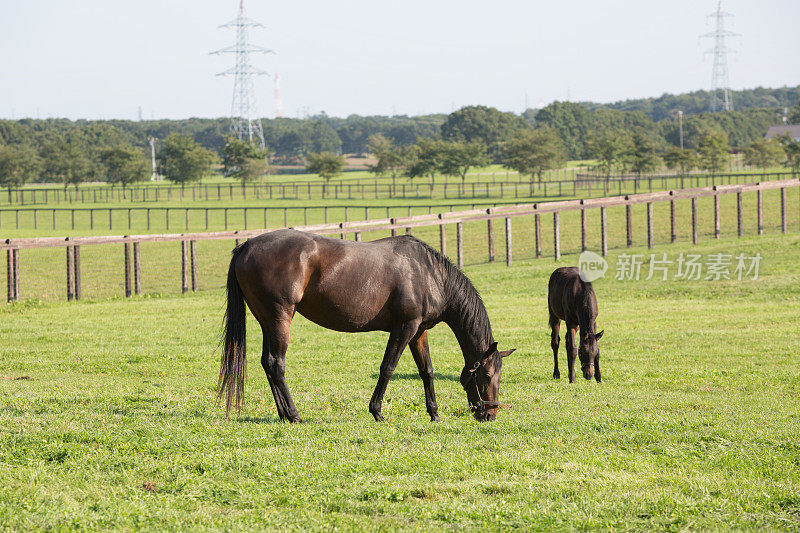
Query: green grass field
695,426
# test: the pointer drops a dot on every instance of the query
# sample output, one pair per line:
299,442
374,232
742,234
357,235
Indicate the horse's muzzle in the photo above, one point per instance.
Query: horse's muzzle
588,371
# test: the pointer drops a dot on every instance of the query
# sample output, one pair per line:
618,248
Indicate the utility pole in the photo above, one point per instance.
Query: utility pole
152,140
245,124
720,85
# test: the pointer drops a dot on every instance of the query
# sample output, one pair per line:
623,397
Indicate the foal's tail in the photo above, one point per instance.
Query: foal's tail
233,367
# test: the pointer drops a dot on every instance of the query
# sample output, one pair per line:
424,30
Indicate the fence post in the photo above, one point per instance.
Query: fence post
716,214
508,241
358,236
70,273
784,226
673,220
603,232
137,269
265,218
442,237
226,217
166,214
344,234
148,217
628,225
460,244
537,231
556,237
740,228
584,235
91,218
110,219
393,221
129,217
649,224
186,218
76,268
694,220
760,212
193,258
127,247
490,237
185,267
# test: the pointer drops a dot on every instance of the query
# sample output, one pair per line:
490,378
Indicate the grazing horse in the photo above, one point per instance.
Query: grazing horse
572,300
398,284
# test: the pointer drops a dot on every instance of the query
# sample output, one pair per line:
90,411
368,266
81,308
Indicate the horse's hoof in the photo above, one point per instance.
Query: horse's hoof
378,417
556,375
296,420
435,418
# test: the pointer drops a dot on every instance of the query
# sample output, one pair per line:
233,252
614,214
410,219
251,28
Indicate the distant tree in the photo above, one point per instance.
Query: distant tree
612,150
244,160
18,165
714,151
422,159
794,113
764,153
684,159
643,157
791,148
534,151
66,160
390,158
183,160
484,125
325,164
456,158
124,165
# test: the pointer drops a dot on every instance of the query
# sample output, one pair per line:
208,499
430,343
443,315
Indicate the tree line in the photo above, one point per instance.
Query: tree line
620,136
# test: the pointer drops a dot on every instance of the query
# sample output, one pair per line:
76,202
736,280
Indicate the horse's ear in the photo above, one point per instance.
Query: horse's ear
507,352
492,349
597,337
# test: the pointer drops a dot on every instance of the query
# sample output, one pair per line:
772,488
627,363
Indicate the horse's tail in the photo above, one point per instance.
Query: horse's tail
233,367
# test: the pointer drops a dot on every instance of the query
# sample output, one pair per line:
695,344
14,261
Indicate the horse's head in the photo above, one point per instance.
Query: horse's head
589,352
481,381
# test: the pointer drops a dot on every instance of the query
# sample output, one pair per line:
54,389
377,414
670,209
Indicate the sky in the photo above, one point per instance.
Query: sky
103,59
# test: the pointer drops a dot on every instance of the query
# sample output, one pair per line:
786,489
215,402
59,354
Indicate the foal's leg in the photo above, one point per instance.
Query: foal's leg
572,351
555,324
398,340
273,359
422,356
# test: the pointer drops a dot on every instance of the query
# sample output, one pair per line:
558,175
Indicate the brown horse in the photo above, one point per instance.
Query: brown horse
398,284
573,300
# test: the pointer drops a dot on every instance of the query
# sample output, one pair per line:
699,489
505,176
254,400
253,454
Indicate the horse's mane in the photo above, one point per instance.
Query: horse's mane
462,296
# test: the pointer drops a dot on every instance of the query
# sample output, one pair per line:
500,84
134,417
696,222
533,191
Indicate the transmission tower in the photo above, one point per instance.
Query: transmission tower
720,85
245,123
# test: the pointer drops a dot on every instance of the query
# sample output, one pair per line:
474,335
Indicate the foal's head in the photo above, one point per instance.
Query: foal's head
589,352
481,381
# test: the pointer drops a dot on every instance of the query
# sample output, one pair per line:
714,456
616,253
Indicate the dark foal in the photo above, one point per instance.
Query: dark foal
572,300
399,285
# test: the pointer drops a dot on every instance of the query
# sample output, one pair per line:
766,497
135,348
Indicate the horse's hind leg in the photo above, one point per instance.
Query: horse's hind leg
273,359
555,324
422,356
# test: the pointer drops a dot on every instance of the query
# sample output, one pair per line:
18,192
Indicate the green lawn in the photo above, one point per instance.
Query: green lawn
694,427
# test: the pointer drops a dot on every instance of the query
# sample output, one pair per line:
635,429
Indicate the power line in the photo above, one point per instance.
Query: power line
245,123
720,85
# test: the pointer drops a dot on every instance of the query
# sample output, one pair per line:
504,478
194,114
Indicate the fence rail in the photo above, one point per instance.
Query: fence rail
374,188
189,275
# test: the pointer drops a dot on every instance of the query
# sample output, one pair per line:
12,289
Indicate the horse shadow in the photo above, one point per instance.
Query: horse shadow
415,376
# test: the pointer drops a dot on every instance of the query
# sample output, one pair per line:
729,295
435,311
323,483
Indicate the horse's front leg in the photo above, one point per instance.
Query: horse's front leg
597,368
422,356
555,324
398,340
572,352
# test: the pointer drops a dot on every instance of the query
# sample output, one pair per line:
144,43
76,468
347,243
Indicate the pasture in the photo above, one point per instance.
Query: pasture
114,422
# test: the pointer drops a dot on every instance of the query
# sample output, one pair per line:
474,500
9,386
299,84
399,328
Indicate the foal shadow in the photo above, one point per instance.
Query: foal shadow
415,376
